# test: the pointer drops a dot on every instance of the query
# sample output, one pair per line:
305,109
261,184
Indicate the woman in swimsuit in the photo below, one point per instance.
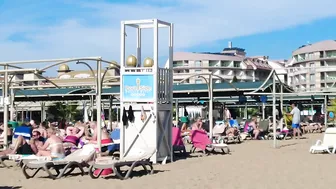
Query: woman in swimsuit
73,134
53,146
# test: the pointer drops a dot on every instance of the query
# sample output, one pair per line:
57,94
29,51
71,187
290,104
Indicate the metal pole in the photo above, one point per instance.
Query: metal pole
91,107
12,105
274,108
110,112
98,104
263,111
281,99
177,111
245,111
210,107
138,51
5,119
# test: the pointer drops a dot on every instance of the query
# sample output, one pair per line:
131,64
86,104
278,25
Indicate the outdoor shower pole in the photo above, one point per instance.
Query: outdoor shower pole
274,108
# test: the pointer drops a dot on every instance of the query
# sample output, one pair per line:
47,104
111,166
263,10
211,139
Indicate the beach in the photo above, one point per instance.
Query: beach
252,164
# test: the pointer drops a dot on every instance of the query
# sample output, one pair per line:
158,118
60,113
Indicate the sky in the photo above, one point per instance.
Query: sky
33,29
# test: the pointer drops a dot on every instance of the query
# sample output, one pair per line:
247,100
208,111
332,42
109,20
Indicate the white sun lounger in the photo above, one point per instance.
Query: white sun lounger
63,167
138,158
328,144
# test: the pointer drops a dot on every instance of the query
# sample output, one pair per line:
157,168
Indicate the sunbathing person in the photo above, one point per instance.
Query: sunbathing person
73,134
253,128
53,146
197,125
3,135
42,128
105,137
230,131
23,147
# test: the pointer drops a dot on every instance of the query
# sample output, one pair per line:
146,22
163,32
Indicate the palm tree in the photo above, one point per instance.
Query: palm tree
64,111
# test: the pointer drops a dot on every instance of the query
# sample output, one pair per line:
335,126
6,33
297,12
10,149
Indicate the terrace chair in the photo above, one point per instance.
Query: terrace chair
77,159
178,145
138,158
328,144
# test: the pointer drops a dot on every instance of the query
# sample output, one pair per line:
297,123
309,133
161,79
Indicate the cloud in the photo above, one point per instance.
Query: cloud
58,29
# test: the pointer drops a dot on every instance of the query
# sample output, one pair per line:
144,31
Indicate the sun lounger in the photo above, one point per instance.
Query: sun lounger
201,141
328,144
138,158
63,167
178,145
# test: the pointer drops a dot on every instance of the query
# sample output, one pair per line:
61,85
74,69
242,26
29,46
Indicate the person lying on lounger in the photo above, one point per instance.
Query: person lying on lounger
23,147
53,146
105,137
73,134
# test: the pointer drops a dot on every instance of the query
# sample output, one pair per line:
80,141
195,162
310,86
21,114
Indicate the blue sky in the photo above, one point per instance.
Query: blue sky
31,29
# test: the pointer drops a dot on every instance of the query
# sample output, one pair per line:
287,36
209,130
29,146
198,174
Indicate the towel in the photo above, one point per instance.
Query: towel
124,117
130,114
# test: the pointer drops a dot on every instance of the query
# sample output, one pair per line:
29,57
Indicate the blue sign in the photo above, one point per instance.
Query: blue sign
138,87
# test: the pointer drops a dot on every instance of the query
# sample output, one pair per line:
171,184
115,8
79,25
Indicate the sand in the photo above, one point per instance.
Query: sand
252,164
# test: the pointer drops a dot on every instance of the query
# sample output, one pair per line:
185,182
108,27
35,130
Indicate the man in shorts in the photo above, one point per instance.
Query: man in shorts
24,147
296,120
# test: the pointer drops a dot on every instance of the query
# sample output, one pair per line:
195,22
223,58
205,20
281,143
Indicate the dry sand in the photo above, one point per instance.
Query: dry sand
252,164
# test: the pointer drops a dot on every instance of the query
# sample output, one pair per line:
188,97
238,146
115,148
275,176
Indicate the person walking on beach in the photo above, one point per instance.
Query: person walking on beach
296,120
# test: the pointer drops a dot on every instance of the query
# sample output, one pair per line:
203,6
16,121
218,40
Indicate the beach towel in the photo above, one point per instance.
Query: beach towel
177,139
200,139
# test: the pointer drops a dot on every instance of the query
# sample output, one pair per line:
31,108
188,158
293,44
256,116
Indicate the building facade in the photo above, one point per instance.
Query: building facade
313,67
230,65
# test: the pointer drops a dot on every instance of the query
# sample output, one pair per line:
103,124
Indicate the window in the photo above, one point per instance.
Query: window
312,78
236,64
198,63
198,70
198,81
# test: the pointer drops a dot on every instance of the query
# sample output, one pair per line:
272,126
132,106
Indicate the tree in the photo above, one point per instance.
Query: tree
63,111
234,79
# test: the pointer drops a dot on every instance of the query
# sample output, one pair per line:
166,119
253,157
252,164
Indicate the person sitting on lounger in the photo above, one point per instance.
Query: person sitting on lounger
3,134
42,128
23,147
198,125
253,128
53,146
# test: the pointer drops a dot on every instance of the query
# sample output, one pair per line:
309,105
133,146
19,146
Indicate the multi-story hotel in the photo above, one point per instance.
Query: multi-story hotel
229,64
313,67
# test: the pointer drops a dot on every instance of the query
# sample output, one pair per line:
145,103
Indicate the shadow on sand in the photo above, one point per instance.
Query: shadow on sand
10,187
287,145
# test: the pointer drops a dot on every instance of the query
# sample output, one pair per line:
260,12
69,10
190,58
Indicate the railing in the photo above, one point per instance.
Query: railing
164,90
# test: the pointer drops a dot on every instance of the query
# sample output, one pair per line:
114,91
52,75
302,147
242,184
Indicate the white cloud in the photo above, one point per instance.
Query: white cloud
94,28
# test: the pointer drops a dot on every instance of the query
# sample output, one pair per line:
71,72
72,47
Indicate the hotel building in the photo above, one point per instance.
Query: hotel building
229,64
313,67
